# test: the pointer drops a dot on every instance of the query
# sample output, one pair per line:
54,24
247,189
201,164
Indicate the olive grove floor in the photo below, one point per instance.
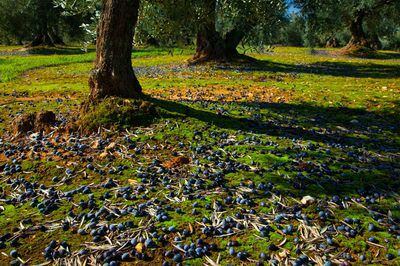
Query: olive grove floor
293,158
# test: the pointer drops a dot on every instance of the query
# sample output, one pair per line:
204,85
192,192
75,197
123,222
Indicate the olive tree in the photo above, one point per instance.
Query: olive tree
113,73
333,15
218,27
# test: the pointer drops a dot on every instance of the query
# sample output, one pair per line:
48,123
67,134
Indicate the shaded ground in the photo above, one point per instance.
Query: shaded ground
255,140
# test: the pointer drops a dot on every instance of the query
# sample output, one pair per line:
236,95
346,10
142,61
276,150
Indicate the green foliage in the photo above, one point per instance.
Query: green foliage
293,31
14,15
392,41
260,20
166,23
177,22
89,10
22,20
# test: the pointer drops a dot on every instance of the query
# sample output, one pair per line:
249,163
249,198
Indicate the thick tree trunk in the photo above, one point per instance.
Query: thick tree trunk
55,36
232,40
113,73
210,44
358,36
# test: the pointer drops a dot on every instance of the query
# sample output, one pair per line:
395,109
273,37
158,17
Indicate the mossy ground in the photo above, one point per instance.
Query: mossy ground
116,113
294,104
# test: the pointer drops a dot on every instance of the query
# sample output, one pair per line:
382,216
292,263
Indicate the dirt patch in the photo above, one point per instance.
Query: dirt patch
44,119
176,162
9,99
3,158
33,122
23,123
225,94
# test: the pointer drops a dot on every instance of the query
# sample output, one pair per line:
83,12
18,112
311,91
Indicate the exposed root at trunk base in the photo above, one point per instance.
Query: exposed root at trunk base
356,51
115,112
33,122
46,39
205,58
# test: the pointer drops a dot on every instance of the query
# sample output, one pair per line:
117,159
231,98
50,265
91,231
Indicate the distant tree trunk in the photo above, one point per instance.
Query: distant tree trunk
113,73
46,39
232,40
46,34
374,41
332,43
55,36
358,36
43,37
210,44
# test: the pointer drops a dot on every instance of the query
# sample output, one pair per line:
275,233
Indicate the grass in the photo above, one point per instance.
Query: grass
310,123
12,66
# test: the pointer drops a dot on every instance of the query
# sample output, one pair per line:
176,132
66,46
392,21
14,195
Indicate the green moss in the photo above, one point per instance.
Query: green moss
118,112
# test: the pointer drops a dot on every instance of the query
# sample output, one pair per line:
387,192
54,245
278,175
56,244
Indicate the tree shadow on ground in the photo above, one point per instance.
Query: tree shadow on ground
329,125
339,122
59,50
382,55
337,69
385,55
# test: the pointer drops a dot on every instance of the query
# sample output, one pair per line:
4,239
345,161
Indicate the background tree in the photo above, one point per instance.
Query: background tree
218,27
45,27
382,29
223,25
89,12
329,15
165,23
293,30
38,22
14,15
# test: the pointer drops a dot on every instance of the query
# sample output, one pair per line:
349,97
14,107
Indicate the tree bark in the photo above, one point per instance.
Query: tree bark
113,74
358,36
232,40
210,44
